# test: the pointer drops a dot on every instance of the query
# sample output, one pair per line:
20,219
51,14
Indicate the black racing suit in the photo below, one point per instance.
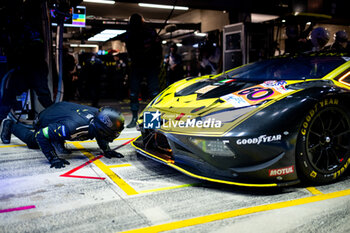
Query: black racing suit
61,121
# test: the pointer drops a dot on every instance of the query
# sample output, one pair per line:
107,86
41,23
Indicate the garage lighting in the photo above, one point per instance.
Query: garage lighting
164,42
101,1
178,44
183,8
84,45
308,23
201,34
106,35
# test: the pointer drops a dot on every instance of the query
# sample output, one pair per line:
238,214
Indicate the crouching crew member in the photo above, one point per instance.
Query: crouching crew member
69,121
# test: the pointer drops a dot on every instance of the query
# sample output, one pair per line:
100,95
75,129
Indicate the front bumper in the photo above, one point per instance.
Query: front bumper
172,150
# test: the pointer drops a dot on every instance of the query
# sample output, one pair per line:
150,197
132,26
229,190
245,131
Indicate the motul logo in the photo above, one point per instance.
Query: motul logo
281,171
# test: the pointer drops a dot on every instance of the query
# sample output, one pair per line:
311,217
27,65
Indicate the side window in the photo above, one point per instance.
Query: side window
345,78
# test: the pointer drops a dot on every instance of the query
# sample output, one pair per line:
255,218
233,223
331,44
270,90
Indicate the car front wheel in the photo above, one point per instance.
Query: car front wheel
323,148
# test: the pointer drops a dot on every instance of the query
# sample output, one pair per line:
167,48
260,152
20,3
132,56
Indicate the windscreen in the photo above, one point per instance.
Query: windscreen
296,68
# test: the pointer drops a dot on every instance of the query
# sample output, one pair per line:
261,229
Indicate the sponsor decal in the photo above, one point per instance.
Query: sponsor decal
236,101
314,110
205,89
260,139
274,83
227,81
89,116
281,171
197,109
63,130
256,94
105,119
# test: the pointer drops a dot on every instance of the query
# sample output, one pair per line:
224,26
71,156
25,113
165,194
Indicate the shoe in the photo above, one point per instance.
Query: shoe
132,124
6,131
60,149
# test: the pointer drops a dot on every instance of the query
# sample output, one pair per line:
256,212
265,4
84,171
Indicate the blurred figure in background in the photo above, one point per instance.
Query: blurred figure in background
211,58
319,38
119,76
21,38
174,65
340,42
92,72
69,75
297,39
145,51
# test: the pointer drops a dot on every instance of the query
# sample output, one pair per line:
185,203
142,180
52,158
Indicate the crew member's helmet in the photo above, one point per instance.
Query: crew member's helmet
341,36
319,37
108,123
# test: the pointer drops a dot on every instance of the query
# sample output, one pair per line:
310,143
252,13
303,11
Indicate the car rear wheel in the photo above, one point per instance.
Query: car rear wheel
323,150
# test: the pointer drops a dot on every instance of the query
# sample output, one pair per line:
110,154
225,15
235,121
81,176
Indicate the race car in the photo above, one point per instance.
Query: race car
270,123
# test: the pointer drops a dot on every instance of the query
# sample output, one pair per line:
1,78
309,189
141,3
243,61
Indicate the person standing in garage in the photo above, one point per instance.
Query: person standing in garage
69,121
145,52
174,66
21,37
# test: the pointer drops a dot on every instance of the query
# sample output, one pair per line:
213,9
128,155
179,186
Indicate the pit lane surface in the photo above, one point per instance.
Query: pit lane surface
136,194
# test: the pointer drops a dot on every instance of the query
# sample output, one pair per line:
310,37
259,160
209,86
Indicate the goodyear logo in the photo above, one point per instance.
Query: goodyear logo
314,110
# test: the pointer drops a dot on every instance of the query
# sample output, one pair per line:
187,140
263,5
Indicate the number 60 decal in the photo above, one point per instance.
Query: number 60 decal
251,93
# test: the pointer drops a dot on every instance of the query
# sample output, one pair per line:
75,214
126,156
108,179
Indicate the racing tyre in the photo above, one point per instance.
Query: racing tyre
323,147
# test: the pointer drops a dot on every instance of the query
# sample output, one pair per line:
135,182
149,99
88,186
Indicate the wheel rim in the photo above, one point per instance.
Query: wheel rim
327,140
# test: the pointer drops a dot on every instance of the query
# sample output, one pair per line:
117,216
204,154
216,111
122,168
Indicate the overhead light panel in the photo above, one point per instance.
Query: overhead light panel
84,45
200,34
183,8
106,35
101,1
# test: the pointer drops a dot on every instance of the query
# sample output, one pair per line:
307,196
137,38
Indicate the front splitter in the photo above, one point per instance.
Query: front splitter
170,163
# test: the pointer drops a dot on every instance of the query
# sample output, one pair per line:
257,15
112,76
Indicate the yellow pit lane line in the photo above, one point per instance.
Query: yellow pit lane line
314,191
119,181
240,212
117,139
115,178
119,165
169,188
8,146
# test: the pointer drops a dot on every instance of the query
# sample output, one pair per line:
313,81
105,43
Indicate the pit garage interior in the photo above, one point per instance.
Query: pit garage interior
138,194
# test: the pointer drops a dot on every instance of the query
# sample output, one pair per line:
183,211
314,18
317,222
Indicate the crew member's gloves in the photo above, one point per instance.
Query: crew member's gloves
57,162
112,154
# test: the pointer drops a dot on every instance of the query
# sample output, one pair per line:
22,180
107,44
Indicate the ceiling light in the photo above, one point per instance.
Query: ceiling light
308,23
283,20
178,44
258,18
106,35
164,42
101,1
84,45
184,8
201,34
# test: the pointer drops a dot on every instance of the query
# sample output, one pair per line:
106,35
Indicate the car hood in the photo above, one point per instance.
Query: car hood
222,99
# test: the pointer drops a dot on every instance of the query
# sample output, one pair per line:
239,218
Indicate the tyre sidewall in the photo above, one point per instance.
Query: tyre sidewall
304,167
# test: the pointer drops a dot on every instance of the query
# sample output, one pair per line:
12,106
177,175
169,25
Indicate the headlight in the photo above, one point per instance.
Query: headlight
228,115
213,147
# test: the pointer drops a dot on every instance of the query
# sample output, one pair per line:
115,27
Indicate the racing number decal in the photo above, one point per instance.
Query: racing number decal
256,93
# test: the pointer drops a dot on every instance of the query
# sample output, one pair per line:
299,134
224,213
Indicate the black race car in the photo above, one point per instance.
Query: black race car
269,123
